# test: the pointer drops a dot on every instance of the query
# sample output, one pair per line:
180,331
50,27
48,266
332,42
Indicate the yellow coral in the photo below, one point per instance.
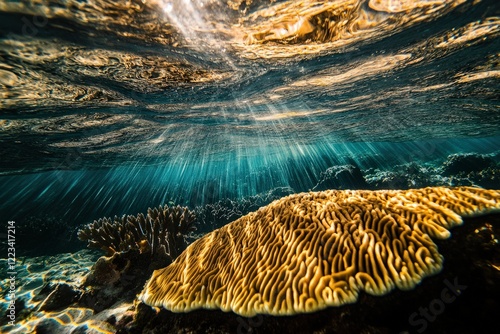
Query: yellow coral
308,251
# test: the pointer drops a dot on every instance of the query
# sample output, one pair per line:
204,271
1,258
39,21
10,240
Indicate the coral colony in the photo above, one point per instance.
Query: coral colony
308,251
162,232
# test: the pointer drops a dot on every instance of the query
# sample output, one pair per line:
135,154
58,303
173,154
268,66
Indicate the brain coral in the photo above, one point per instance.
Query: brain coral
308,251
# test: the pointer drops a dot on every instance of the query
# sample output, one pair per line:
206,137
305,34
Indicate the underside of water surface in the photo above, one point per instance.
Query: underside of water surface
108,108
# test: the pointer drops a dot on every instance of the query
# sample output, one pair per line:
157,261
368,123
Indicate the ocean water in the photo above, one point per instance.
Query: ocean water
108,108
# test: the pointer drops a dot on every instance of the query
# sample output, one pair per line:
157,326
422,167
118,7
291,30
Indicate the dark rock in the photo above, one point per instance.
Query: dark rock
82,329
388,180
46,289
20,308
49,326
100,299
405,176
126,321
62,296
341,177
124,269
466,163
20,305
119,277
103,272
486,178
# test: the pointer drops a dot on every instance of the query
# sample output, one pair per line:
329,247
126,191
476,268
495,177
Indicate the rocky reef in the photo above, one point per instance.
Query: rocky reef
134,246
456,170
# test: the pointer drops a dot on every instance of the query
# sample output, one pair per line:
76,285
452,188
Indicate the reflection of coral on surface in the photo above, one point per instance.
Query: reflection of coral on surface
308,251
162,232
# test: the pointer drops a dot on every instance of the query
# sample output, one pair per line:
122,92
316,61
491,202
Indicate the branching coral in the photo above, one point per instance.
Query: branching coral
162,232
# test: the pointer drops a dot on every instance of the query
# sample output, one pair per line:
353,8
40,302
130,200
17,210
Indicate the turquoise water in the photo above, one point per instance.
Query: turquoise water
82,195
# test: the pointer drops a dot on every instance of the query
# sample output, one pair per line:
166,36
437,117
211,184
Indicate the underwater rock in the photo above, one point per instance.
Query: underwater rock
38,277
62,296
135,246
44,292
413,175
119,277
50,326
215,215
103,272
21,311
390,180
405,176
341,177
466,163
99,299
488,178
